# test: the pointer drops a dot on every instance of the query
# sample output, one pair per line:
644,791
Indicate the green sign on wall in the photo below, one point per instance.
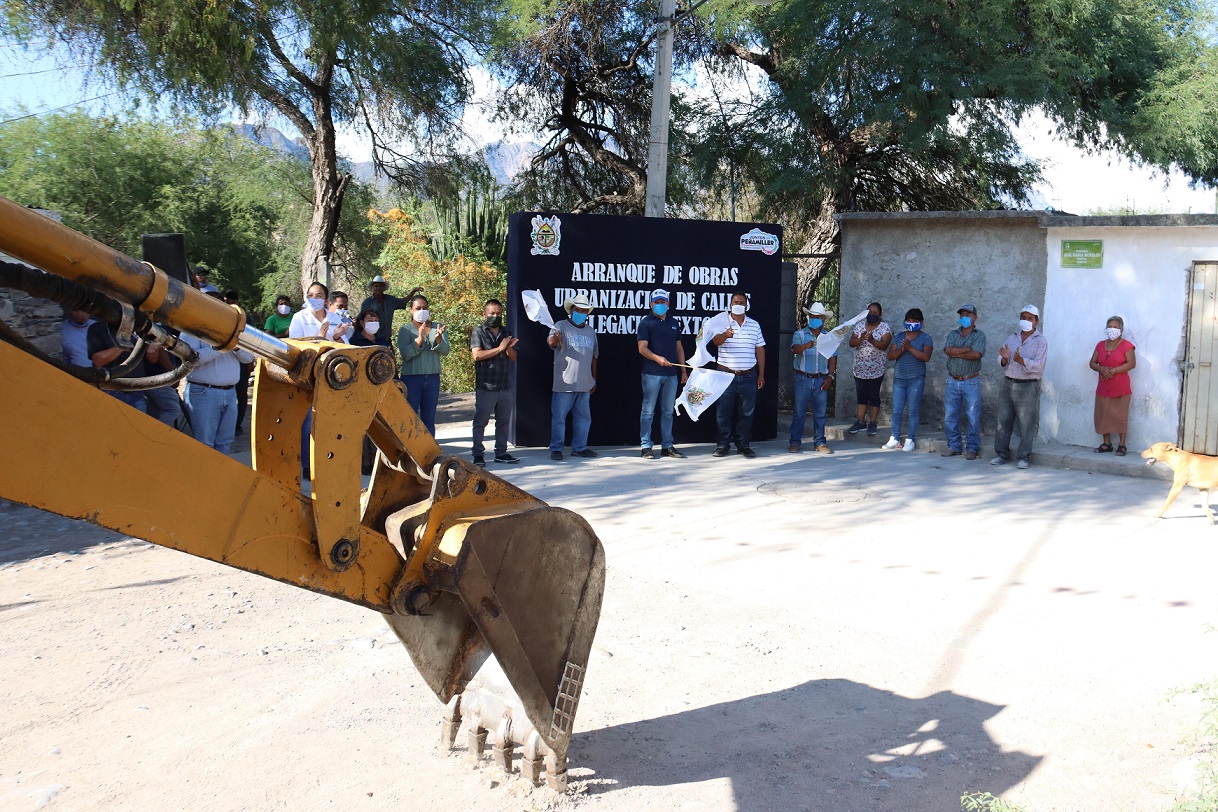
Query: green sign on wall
1082,253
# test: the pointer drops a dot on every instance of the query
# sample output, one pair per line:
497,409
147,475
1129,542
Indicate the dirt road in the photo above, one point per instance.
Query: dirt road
868,631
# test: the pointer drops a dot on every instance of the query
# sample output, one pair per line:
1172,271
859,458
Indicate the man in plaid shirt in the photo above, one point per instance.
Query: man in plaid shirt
494,350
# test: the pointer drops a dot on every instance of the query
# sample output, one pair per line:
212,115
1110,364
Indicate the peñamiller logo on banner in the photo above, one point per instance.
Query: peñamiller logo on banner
547,236
758,240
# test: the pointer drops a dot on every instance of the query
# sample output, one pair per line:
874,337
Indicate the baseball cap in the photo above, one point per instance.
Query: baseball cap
1030,309
659,293
970,308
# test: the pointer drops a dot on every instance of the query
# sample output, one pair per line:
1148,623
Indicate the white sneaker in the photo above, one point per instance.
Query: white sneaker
909,446
892,443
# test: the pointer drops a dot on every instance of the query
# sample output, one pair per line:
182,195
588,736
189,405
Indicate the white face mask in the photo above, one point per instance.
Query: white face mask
1026,325
316,304
370,327
421,316
1113,333
738,310
284,310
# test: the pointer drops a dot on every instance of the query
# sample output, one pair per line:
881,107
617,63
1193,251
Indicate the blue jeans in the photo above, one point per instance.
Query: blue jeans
967,394
423,393
213,415
663,387
575,404
133,399
163,405
734,411
907,395
808,391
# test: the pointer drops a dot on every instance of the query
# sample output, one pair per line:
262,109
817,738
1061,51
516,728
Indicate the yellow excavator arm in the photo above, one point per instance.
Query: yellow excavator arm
495,595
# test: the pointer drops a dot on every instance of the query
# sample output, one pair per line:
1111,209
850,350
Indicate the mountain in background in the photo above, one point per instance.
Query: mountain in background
505,161
274,139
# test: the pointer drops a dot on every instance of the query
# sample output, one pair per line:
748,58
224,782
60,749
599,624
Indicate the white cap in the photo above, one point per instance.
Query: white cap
1031,309
660,293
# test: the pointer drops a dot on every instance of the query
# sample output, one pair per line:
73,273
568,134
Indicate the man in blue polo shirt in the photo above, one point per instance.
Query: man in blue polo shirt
660,345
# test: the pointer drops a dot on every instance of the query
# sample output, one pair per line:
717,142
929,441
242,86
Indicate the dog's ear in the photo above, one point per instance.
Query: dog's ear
1170,447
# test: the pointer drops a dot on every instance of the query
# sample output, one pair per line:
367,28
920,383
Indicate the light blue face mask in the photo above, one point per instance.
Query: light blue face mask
815,324
660,309
578,318
966,322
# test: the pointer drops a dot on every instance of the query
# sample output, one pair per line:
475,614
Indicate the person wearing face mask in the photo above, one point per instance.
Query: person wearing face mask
385,305
422,343
814,374
965,346
659,340
742,353
870,340
367,330
575,355
279,322
494,351
911,349
1023,357
1112,359
313,319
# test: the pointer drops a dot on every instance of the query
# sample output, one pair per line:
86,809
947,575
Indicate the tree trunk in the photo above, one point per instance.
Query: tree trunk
328,190
825,238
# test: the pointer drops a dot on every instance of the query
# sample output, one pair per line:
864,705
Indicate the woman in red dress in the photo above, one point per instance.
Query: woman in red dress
1112,359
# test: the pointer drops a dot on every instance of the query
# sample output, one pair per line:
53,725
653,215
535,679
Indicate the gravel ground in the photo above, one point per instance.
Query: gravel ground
867,631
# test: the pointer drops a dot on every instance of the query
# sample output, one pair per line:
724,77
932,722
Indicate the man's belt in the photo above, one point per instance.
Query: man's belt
811,374
1023,380
736,371
964,378
212,385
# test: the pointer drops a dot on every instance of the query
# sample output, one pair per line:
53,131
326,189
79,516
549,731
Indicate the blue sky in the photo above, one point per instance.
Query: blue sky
1074,181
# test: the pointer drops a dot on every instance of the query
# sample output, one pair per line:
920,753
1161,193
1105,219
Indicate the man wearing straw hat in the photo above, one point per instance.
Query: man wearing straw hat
385,306
575,352
814,375
660,345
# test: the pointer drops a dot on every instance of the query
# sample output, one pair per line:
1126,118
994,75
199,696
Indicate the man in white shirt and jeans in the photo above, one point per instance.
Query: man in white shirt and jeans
211,393
742,353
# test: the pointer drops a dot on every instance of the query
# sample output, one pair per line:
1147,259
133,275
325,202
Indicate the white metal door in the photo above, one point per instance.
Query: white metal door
1200,432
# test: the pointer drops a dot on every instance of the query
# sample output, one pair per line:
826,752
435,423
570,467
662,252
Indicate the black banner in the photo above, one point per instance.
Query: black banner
616,262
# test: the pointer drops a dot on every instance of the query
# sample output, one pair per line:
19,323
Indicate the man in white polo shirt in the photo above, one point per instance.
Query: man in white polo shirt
742,353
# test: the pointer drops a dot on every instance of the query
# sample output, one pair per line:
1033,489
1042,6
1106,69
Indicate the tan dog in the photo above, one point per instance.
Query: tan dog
1197,470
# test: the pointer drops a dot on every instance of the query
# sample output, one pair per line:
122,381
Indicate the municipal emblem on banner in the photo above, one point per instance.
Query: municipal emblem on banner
547,235
758,240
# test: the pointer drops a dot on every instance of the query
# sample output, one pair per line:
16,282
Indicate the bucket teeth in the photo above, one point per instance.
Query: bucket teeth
451,723
501,754
477,743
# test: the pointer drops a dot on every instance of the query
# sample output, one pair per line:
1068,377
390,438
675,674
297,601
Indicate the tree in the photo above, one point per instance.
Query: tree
580,72
457,287
873,105
397,68
243,208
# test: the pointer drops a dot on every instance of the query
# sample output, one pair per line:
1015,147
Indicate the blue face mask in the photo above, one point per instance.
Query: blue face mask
913,326
660,309
578,318
966,322
815,324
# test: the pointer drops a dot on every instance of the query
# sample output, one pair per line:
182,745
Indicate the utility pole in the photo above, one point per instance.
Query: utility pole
657,152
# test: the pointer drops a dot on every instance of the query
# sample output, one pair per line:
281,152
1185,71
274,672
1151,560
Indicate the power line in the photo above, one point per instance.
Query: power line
36,72
57,109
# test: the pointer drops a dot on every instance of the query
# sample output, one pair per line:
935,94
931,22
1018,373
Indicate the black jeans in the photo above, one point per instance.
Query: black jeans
734,410
487,402
1017,402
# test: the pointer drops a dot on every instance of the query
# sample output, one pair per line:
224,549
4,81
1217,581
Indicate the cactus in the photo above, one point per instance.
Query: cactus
475,218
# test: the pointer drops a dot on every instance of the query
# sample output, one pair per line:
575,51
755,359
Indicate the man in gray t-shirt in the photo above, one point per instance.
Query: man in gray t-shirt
575,354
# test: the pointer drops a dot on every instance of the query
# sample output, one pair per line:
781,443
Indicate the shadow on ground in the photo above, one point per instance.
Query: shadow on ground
824,745
27,533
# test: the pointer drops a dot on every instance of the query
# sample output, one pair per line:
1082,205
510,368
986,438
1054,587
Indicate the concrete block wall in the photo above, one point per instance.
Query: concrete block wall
938,261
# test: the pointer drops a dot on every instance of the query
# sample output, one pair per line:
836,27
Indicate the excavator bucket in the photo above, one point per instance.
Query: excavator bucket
506,644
